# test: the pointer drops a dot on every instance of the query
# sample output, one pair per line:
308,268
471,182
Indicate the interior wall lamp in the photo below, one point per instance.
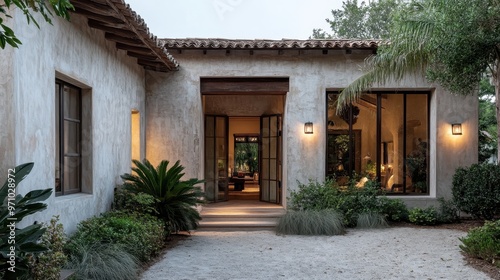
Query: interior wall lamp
456,129
308,128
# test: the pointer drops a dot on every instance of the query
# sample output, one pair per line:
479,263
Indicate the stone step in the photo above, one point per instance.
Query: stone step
240,217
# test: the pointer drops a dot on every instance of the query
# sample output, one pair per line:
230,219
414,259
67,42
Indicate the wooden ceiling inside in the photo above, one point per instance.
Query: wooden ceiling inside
128,30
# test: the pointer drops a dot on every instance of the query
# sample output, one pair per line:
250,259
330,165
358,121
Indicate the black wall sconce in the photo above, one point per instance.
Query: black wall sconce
308,128
456,129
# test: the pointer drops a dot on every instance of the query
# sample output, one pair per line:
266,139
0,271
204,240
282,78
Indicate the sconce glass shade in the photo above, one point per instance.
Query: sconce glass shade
456,129
308,128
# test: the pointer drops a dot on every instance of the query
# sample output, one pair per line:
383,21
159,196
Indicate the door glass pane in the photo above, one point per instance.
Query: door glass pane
265,169
272,191
221,127
265,190
265,127
364,136
416,143
272,170
265,147
210,190
209,159
209,126
274,126
273,147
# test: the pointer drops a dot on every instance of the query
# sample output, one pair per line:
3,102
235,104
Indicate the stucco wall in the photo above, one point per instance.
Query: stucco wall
310,74
113,85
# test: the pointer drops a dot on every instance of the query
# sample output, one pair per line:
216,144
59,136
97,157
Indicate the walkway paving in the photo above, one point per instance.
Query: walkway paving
393,253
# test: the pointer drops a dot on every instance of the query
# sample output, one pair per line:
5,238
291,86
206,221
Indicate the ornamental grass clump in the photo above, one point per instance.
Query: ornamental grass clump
371,220
311,222
102,261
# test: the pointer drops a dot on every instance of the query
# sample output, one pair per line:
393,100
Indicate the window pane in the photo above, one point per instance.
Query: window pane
392,143
71,138
364,140
71,174
58,144
71,102
416,143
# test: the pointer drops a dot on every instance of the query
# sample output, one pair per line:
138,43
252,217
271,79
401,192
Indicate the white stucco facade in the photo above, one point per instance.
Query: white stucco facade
171,112
113,85
175,113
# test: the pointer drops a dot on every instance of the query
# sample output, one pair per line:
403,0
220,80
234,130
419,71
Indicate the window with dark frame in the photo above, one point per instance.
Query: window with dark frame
382,136
68,122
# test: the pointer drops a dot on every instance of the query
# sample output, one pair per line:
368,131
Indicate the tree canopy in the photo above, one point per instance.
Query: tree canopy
359,20
451,42
29,8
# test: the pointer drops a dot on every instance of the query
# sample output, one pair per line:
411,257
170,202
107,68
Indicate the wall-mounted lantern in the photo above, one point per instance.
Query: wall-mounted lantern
308,128
456,129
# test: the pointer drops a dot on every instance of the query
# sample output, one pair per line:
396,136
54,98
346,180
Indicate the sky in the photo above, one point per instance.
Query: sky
235,19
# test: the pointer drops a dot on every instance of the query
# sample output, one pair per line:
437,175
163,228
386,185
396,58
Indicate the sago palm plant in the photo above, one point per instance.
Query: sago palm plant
175,199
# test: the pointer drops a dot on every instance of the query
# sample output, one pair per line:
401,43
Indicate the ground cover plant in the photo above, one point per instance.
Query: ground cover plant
349,201
174,199
140,235
483,243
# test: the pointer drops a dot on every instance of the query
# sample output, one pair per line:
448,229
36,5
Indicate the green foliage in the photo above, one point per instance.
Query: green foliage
102,261
29,7
141,235
394,209
475,190
371,220
448,211
311,222
128,201
350,201
487,121
360,20
426,216
175,199
48,265
13,210
483,242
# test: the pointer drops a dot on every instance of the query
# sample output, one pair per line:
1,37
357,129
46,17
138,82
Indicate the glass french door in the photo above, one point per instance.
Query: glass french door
216,158
270,151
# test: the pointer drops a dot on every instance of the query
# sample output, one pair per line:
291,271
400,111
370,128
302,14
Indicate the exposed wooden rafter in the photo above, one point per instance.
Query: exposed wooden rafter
128,30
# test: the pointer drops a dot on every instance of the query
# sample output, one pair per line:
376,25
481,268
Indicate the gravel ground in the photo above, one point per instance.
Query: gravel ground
392,253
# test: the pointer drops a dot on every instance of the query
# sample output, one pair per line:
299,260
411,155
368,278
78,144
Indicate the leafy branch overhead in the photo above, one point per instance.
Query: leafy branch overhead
29,8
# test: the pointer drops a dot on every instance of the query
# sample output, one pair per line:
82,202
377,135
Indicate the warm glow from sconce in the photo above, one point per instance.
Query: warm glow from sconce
308,128
456,129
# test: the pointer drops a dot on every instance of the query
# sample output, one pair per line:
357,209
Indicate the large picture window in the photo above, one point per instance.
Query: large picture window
68,122
382,136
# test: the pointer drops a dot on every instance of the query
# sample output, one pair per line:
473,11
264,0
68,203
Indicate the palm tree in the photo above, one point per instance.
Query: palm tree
452,42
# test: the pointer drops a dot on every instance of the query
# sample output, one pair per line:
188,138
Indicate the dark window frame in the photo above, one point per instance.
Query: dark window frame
60,119
379,94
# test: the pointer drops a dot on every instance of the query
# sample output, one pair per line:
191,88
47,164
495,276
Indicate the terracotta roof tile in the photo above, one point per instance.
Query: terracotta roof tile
198,43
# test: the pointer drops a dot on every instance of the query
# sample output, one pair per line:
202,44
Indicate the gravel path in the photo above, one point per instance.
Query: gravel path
392,253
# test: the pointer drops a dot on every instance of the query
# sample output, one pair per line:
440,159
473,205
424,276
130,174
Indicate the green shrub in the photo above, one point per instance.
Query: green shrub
175,200
371,220
142,235
393,209
483,242
102,261
311,222
125,200
350,201
48,265
448,211
426,216
475,190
